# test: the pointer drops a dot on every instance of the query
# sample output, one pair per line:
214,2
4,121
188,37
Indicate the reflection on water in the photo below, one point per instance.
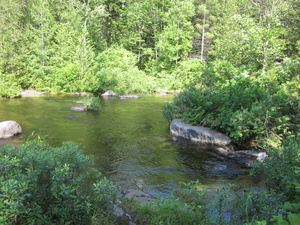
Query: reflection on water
129,139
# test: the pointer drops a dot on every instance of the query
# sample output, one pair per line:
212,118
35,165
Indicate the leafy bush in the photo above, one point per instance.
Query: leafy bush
8,86
189,204
90,103
187,72
116,69
279,172
182,207
64,79
45,185
257,110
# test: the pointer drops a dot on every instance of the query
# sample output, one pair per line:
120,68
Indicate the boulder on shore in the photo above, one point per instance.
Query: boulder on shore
9,128
32,93
201,135
109,93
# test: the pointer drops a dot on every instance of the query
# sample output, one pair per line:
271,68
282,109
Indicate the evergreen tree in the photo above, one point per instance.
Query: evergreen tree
12,47
248,39
40,31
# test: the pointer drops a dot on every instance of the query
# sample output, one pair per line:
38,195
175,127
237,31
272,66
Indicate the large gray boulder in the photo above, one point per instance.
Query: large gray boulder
9,128
201,135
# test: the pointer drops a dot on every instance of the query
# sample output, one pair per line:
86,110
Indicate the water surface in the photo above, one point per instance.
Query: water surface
130,141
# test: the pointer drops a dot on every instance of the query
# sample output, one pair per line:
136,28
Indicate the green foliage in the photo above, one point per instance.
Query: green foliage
250,39
260,109
61,45
8,86
184,208
227,205
169,211
90,103
280,171
293,219
186,73
45,185
116,69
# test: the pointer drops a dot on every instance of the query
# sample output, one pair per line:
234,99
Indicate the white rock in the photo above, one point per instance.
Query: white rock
9,128
109,93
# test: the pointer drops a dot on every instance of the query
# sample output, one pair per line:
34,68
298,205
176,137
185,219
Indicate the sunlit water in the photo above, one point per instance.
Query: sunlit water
130,141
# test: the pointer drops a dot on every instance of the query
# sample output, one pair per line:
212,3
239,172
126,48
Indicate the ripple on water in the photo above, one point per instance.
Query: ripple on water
129,139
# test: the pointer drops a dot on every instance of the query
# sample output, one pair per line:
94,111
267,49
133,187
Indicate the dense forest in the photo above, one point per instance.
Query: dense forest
139,46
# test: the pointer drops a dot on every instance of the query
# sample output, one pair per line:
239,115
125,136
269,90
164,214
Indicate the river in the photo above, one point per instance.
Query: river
129,139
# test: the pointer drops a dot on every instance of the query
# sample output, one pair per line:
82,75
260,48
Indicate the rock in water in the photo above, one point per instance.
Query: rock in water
9,128
109,93
78,109
129,96
200,135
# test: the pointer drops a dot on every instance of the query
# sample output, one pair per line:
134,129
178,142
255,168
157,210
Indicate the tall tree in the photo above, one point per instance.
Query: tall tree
202,23
250,39
96,24
175,40
291,20
272,30
12,46
12,34
158,31
40,31
115,21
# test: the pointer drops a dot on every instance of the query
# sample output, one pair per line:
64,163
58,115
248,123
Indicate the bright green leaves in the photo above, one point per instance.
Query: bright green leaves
40,32
243,42
53,45
90,103
12,47
116,69
174,41
160,33
255,42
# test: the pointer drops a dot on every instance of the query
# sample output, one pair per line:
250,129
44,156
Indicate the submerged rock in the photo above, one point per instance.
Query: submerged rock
201,135
9,129
130,96
247,158
81,94
78,109
138,195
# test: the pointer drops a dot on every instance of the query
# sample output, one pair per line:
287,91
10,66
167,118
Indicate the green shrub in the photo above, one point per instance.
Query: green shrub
64,79
181,207
8,86
116,69
90,103
258,110
187,72
279,172
45,185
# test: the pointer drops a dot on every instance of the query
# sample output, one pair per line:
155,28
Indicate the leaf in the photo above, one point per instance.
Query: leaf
294,219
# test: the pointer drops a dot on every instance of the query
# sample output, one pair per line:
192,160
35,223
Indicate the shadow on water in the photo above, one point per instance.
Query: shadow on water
130,141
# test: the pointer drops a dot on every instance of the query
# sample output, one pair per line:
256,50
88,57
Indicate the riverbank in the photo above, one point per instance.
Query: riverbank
189,204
